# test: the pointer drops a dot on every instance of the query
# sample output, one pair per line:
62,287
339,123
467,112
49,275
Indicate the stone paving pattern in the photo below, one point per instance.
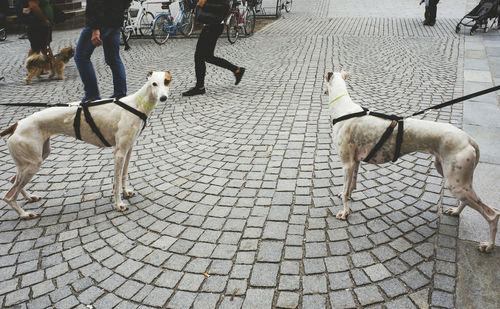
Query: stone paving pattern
241,184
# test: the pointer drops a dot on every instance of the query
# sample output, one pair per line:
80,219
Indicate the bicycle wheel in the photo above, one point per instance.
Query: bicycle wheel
3,34
160,34
249,21
232,28
146,24
279,7
288,5
187,23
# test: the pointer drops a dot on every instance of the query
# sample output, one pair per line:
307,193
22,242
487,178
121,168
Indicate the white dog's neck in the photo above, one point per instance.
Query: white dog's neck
340,103
144,100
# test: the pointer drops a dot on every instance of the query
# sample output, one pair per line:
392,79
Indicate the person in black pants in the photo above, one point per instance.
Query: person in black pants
205,53
431,11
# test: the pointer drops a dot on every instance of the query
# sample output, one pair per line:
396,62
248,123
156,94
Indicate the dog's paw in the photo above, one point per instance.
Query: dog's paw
485,247
128,193
342,215
452,211
28,215
32,198
121,207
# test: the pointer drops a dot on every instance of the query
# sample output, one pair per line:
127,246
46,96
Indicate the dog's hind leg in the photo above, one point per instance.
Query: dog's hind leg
459,175
23,177
127,192
29,197
349,177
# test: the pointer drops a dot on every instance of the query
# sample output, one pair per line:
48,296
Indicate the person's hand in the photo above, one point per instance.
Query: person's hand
96,38
421,2
47,23
201,3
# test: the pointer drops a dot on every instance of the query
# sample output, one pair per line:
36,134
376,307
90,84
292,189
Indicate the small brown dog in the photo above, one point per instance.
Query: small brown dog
35,64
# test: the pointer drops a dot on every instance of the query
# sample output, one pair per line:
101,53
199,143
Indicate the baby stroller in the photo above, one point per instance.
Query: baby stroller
478,17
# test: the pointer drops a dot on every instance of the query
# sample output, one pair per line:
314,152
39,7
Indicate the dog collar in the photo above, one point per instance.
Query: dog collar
144,103
330,103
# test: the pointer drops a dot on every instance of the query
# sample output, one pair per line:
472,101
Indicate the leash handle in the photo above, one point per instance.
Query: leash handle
457,100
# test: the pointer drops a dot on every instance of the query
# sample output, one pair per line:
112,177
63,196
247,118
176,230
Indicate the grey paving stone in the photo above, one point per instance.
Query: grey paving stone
368,295
404,302
414,279
17,297
314,284
340,281
264,275
288,300
182,299
206,300
258,298
270,251
377,272
89,296
342,299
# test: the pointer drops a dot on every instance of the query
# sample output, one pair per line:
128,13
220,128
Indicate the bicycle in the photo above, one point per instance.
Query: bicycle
165,24
283,4
137,21
237,21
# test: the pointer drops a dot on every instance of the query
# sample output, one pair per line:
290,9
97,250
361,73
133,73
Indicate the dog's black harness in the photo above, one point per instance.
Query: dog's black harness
395,120
84,106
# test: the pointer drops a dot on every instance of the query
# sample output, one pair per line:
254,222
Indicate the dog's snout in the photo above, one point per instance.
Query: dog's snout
163,98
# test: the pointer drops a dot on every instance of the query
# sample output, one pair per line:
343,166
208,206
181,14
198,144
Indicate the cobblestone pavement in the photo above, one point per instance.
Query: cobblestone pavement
236,190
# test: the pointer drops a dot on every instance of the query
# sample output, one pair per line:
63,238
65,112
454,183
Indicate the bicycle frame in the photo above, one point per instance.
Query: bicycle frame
176,21
133,22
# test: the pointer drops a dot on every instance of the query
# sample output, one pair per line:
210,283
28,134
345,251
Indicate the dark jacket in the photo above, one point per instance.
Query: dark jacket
105,13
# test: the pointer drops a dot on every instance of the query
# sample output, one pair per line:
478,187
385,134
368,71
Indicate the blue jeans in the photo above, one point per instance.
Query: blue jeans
111,44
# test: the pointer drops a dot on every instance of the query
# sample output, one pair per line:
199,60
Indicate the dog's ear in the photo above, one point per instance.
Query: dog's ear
329,76
345,75
150,73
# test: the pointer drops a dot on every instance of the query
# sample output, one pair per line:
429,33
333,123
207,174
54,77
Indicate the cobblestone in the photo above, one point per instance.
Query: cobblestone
241,183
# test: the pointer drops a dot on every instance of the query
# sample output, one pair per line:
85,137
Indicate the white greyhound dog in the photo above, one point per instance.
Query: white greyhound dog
29,141
457,154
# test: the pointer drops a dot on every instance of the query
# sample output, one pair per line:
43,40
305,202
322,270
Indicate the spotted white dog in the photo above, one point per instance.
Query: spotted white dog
29,141
457,154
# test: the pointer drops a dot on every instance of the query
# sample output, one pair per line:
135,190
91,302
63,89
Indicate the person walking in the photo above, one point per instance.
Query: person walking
205,53
104,19
39,26
430,12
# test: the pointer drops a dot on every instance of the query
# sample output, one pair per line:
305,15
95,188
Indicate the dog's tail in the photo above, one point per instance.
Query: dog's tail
36,61
10,130
476,148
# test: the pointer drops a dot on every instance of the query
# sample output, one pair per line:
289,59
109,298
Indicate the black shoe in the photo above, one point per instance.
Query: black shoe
193,91
239,75
426,23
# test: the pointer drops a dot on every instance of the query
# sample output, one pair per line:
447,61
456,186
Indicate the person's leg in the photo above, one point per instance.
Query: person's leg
220,62
83,51
203,47
432,11
111,43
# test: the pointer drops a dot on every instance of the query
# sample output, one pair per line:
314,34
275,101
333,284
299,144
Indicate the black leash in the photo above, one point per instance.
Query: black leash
464,98
36,104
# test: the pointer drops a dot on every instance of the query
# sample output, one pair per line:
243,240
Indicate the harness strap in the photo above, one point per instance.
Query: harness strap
88,117
76,123
349,116
399,140
396,120
133,111
90,121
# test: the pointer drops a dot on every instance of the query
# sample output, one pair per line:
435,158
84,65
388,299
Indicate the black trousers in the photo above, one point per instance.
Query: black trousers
205,53
432,11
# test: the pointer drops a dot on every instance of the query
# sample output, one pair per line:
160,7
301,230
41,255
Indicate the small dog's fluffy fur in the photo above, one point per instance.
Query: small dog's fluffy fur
35,64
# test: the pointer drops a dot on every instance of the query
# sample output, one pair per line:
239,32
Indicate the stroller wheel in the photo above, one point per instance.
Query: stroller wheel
457,29
486,29
472,32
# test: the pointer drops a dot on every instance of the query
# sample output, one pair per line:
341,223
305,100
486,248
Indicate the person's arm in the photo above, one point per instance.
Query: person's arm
95,14
34,6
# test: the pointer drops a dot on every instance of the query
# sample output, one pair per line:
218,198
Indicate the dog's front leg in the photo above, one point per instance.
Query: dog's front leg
349,177
119,163
127,191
